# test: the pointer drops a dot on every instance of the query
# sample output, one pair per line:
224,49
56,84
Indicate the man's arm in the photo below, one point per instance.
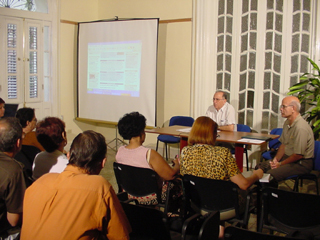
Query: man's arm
14,218
276,161
230,119
227,128
280,153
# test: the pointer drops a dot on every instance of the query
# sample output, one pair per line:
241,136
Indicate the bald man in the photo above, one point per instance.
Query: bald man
295,153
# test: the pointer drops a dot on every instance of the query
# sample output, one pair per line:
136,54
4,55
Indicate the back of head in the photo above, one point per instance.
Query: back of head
131,125
87,151
10,132
24,115
204,130
2,101
51,133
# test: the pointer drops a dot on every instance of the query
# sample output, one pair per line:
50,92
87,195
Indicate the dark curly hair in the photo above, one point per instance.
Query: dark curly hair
49,133
131,125
24,115
87,151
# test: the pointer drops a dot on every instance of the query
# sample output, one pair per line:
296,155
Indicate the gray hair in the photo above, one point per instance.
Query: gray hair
224,94
296,104
10,132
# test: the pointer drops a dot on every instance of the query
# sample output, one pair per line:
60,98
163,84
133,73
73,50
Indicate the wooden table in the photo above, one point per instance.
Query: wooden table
223,136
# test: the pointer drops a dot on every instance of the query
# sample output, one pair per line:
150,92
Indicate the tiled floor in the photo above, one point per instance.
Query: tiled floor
107,172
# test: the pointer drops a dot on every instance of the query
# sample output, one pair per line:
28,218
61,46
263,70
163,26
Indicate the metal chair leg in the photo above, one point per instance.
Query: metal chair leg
247,159
166,151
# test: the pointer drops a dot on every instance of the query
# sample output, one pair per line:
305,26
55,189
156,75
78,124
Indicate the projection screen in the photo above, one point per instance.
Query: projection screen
117,69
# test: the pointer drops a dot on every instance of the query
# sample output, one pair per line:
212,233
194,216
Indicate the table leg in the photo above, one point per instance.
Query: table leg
183,142
239,156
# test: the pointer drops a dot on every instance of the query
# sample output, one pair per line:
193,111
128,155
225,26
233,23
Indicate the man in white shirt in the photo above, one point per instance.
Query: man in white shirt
222,112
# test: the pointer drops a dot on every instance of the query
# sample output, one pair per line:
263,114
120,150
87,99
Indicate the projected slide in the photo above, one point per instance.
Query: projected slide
114,68
117,69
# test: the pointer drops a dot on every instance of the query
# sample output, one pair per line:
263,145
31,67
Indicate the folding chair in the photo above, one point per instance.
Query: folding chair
206,195
150,223
288,212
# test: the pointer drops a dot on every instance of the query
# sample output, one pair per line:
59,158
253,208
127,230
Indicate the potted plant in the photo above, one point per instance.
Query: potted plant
308,92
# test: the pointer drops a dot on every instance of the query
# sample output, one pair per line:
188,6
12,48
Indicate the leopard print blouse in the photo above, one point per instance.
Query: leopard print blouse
208,161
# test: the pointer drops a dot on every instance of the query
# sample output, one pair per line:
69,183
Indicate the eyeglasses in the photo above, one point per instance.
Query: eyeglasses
285,106
217,99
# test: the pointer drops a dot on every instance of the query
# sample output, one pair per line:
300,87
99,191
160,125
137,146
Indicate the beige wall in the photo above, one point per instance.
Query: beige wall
174,56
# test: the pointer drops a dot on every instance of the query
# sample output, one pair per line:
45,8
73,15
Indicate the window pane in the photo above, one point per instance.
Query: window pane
12,35
33,62
33,83
26,5
12,87
33,38
47,90
266,100
12,61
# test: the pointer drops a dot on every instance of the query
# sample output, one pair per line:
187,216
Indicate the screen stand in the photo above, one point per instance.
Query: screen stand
117,141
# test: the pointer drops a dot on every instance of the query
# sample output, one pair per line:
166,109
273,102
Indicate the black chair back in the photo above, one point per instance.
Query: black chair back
146,223
137,181
288,211
151,224
209,194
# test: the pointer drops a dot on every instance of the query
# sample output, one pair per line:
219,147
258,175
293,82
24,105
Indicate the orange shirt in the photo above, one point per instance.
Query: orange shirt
31,139
72,205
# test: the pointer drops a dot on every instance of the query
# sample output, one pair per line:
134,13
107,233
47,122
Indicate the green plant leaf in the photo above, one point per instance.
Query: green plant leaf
308,92
294,92
299,85
315,66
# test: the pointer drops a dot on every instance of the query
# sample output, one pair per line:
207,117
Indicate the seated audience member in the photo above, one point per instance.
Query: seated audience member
27,154
295,154
28,122
77,203
2,107
202,158
12,183
222,112
51,134
131,127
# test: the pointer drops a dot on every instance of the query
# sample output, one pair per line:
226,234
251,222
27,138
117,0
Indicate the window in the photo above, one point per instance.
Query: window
26,5
259,48
29,68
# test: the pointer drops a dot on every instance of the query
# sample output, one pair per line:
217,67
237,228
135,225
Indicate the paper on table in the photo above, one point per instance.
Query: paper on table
265,178
250,140
184,130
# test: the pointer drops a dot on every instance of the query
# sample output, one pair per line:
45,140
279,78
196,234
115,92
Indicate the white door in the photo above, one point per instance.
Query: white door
26,78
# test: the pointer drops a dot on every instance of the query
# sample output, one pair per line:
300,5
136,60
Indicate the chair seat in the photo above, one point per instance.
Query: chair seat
313,175
168,139
267,155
